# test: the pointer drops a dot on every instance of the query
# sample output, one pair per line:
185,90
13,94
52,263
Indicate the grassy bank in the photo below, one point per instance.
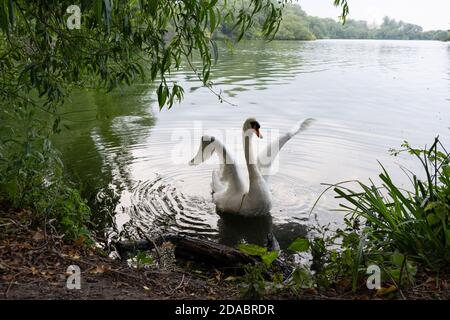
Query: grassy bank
402,234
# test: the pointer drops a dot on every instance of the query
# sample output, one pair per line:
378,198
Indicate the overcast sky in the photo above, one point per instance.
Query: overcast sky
430,14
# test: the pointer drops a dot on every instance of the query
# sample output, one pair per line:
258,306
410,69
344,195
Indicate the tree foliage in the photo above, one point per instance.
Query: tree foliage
118,42
41,60
297,25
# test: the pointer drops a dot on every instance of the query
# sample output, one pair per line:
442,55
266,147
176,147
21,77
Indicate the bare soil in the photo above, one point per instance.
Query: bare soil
33,265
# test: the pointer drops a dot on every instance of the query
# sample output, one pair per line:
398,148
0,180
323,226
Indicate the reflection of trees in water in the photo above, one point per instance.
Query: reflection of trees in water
260,63
97,147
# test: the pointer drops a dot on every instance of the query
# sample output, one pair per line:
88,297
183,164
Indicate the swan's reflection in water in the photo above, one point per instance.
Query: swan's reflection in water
234,230
157,207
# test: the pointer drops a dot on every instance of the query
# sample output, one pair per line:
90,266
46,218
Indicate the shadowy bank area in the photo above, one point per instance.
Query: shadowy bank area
34,265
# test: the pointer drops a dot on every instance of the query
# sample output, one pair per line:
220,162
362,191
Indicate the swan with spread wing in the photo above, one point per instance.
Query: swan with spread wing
231,193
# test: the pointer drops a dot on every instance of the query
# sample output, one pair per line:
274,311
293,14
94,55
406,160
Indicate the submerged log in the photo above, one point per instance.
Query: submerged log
199,250
211,253
188,248
124,248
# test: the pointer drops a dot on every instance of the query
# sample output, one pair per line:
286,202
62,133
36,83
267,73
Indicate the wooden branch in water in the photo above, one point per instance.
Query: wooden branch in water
188,248
202,251
125,247
211,253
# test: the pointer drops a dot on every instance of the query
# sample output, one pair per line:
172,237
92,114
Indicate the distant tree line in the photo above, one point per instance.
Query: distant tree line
297,25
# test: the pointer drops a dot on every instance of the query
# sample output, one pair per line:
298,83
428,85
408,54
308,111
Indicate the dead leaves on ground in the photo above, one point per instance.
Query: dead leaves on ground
33,254
384,291
38,236
100,269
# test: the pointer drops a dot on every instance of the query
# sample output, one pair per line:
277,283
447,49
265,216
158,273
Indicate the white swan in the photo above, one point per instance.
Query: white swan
230,192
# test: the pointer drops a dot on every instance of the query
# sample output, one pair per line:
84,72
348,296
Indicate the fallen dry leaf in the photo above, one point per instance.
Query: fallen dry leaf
387,290
34,271
99,270
167,245
311,291
79,242
344,283
73,255
230,278
38,236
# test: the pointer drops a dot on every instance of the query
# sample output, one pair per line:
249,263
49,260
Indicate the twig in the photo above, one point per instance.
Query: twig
11,283
206,85
158,254
177,287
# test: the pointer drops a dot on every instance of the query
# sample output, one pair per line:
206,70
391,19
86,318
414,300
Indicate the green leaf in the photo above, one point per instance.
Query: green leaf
397,258
299,245
213,3
433,219
447,237
269,257
432,205
395,273
162,95
252,249
11,12
153,7
215,51
212,20
98,10
12,187
143,258
446,171
4,16
302,278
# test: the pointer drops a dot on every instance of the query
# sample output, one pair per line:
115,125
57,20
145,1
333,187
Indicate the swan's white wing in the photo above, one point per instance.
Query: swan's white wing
227,177
268,155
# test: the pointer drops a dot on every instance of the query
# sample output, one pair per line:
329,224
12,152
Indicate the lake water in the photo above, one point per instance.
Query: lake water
366,97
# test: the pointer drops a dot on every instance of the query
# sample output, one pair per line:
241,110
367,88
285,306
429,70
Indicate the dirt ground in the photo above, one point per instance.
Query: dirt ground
34,265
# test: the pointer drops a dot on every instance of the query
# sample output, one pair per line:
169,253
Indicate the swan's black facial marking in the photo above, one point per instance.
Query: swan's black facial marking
208,139
255,126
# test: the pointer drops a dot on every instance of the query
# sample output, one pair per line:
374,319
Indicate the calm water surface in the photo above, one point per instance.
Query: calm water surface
366,97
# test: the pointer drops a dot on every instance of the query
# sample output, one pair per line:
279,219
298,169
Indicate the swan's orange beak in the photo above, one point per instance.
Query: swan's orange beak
255,126
258,134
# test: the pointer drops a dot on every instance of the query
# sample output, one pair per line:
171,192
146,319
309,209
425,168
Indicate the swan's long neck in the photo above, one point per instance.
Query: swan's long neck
206,150
253,171
221,152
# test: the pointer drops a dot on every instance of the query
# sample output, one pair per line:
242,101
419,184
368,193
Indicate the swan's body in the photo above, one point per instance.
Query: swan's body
230,192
